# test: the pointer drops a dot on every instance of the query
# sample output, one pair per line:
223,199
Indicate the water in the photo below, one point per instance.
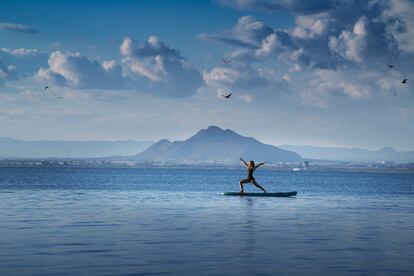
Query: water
71,221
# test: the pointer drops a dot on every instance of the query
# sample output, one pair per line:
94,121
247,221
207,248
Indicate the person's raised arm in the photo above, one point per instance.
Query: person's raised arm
244,162
258,165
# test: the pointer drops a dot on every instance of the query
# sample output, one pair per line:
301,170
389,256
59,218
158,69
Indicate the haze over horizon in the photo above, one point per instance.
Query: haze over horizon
185,138
208,145
301,74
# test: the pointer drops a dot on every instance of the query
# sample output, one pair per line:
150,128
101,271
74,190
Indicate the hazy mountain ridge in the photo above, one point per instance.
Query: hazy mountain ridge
14,148
214,145
351,154
206,146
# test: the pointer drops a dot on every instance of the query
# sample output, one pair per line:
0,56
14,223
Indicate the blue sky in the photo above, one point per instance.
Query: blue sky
301,73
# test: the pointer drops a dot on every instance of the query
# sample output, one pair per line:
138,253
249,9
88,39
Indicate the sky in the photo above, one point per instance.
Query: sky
301,72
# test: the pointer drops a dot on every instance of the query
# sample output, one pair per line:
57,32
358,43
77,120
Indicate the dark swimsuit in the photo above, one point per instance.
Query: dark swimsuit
250,174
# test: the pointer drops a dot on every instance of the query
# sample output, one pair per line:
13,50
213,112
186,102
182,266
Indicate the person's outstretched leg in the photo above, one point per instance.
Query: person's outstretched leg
258,186
241,184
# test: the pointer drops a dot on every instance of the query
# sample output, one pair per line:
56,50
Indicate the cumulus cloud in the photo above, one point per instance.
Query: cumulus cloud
366,42
256,41
399,16
159,69
330,39
76,70
248,32
347,31
152,67
18,28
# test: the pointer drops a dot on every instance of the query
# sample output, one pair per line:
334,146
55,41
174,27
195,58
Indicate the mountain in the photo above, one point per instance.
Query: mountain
214,145
351,154
13,148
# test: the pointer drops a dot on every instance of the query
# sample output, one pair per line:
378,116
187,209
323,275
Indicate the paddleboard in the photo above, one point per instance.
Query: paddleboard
261,194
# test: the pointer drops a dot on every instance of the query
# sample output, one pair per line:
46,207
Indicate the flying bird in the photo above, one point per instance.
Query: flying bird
227,96
227,61
404,81
391,66
58,97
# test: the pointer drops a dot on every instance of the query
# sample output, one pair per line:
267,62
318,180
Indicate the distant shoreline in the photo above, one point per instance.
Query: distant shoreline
405,168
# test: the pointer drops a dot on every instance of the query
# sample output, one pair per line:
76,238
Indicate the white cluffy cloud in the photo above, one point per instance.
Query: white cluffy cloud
76,70
152,67
248,32
332,44
159,68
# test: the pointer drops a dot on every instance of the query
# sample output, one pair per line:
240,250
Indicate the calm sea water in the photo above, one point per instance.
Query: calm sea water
83,221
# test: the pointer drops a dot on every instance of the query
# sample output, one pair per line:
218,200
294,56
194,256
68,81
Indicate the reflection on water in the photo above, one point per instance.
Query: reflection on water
172,222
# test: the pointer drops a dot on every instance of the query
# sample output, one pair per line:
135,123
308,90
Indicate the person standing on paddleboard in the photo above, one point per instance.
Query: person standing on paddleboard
251,167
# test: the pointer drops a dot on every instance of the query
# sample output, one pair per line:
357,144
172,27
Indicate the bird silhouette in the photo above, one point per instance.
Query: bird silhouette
227,96
391,66
404,81
57,97
227,61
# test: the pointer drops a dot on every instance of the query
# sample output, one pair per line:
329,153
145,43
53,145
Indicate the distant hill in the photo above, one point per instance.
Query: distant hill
214,145
13,148
351,154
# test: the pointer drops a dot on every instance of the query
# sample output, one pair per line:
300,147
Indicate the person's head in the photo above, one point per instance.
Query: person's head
251,163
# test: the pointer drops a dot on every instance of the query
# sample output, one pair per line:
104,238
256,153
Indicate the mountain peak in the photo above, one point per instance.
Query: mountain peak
211,131
215,132
215,145
214,129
